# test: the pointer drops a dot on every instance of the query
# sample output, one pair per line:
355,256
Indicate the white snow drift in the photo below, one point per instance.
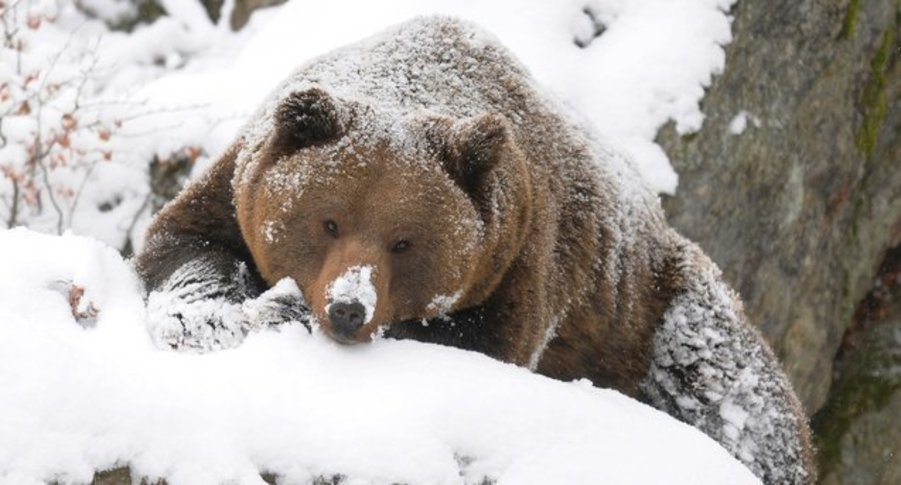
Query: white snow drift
76,399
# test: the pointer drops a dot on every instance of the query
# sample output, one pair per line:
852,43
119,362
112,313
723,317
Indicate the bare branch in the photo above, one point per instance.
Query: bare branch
14,210
81,187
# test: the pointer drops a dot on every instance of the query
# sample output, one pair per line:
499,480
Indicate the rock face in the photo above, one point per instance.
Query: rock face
793,187
858,429
799,207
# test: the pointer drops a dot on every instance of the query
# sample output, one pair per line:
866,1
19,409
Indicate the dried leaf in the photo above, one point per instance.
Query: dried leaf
69,122
84,313
58,160
30,78
194,153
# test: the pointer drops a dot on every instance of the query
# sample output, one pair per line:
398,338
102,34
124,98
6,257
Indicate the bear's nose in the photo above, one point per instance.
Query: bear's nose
346,317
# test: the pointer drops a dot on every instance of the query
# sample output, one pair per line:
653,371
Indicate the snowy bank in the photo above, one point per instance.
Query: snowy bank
79,397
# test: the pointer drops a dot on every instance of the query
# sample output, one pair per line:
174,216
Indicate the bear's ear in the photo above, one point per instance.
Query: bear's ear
477,145
305,118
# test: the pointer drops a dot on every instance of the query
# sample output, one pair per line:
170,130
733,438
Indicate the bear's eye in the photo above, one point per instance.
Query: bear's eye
331,228
400,246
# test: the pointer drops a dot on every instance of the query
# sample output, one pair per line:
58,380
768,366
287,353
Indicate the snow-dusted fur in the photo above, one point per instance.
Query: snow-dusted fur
571,268
714,371
211,303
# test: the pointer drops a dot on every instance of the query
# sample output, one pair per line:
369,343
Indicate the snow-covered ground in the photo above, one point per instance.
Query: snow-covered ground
77,397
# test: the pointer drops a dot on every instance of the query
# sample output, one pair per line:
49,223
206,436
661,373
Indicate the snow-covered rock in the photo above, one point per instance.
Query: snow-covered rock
75,399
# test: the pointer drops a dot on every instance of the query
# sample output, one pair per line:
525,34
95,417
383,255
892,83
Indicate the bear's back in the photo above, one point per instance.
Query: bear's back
437,63
452,67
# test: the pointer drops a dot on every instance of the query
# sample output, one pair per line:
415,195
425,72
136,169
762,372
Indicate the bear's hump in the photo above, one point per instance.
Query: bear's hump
438,63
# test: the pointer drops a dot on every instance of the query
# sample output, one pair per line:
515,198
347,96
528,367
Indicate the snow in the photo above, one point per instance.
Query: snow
354,285
740,122
443,304
74,400
549,334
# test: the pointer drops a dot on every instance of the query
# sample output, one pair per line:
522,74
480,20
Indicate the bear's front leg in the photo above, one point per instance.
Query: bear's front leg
212,301
203,291
712,370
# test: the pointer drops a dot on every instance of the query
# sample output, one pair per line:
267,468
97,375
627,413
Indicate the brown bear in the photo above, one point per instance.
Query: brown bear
420,185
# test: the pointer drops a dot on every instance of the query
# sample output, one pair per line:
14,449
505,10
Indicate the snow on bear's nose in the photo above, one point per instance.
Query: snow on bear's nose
351,298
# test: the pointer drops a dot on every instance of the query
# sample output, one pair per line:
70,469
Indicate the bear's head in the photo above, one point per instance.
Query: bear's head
381,217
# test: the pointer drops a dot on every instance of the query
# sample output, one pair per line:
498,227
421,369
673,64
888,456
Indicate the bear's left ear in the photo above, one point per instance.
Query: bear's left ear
477,146
305,118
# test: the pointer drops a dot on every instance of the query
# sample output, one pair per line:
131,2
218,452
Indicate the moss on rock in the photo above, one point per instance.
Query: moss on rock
865,388
875,102
849,24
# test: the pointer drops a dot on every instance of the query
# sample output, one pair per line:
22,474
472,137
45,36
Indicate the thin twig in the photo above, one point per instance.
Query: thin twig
14,210
141,209
81,186
38,160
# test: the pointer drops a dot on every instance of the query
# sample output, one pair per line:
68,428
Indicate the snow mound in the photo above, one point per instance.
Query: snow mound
78,398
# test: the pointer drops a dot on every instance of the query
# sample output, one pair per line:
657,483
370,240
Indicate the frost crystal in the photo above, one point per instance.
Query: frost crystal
740,122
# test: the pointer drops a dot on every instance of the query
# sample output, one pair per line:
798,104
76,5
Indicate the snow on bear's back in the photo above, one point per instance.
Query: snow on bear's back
436,63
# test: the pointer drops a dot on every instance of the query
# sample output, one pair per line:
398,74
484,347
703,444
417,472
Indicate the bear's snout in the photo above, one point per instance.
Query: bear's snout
346,318
349,303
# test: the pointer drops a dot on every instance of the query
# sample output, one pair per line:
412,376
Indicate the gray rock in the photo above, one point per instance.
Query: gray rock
799,208
244,8
859,430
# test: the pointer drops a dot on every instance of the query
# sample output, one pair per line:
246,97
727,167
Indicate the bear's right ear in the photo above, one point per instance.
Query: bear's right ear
305,118
478,146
